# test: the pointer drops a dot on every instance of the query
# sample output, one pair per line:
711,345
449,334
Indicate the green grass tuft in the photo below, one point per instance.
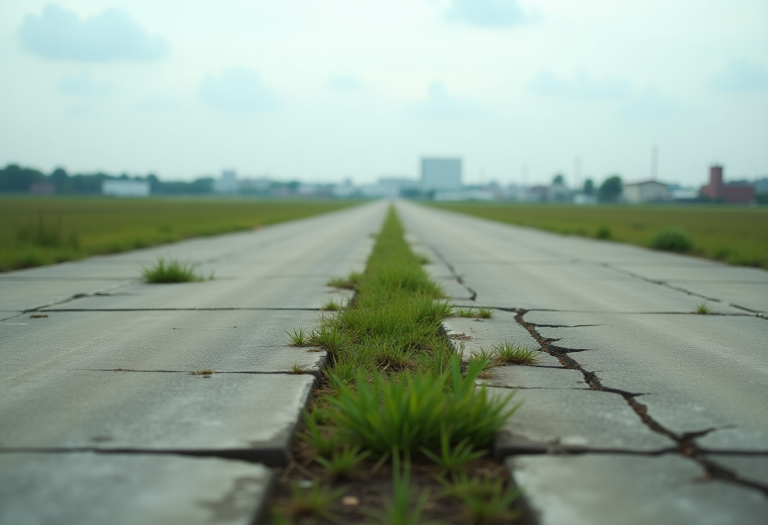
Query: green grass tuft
413,410
171,271
703,308
511,354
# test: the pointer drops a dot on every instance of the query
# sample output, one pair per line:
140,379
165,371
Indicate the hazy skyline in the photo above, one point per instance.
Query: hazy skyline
322,90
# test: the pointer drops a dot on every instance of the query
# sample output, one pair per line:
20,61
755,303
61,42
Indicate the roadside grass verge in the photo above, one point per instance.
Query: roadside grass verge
732,234
397,408
35,231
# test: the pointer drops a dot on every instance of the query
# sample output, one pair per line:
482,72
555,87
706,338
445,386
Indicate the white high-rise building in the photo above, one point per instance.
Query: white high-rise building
440,174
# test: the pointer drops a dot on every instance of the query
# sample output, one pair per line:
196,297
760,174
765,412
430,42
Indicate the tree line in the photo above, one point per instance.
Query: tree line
17,179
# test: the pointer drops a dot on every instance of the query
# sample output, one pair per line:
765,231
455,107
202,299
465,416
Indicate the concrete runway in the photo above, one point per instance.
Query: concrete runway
102,421
640,411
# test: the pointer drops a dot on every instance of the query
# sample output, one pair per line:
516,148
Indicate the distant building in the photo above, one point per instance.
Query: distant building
393,187
440,174
646,191
734,193
227,183
761,185
126,188
469,194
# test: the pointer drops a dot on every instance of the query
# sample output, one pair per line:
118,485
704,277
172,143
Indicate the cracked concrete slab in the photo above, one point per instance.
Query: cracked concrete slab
631,490
266,292
752,296
472,335
94,489
753,469
20,295
228,341
574,418
538,376
713,272
578,286
698,371
253,415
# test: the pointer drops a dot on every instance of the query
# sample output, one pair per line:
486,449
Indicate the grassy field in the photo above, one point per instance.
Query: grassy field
736,235
38,231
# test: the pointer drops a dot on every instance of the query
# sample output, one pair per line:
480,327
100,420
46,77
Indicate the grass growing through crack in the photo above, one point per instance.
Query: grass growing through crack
396,392
478,313
703,308
171,271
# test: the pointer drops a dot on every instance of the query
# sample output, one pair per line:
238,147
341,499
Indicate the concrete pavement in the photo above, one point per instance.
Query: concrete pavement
109,411
641,411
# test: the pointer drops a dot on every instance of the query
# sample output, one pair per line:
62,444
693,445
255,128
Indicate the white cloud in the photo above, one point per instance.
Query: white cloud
344,83
58,34
441,105
583,87
83,84
739,76
488,13
237,90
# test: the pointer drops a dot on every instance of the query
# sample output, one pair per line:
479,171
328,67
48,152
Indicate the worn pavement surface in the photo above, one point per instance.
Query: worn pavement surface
639,410
102,420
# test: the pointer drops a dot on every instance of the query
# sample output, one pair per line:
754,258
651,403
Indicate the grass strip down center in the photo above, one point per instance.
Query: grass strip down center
398,396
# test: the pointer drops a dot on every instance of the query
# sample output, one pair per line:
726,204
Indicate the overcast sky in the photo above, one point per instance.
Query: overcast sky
322,90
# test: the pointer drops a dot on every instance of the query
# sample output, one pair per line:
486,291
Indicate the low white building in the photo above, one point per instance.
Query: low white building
646,191
125,188
227,183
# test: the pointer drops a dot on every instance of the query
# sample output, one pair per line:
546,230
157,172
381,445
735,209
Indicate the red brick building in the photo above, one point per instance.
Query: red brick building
734,193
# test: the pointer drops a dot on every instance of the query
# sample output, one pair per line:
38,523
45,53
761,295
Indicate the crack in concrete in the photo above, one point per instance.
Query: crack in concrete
271,457
686,445
304,371
221,309
454,274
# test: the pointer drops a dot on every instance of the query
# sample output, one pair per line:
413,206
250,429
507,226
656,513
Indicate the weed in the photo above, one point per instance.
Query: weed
703,308
298,336
329,336
484,313
512,354
323,441
603,232
298,369
315,502
485,499
398,510
204,372
409,410
171,271
331,306
423,259
452,458
672,240
480,313
344,373
342,463
350,282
